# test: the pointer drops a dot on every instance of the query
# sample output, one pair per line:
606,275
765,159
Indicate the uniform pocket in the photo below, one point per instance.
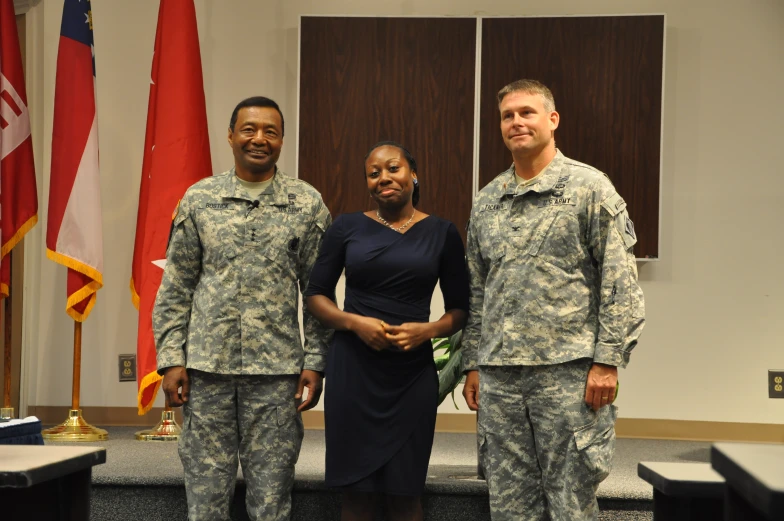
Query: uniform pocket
557,241
596,444
492,244
220,235
290,434
285,415
283,250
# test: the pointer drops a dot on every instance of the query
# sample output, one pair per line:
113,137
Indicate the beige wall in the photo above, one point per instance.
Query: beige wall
713,300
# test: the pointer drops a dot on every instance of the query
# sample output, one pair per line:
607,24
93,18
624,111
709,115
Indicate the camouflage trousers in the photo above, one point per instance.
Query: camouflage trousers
543,450
248,419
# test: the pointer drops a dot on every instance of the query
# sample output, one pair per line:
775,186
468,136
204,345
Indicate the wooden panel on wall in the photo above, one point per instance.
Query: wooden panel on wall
606,76
409,80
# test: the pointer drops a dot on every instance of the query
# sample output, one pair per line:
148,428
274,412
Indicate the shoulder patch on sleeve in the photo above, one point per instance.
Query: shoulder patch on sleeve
178,216
626,228
614,204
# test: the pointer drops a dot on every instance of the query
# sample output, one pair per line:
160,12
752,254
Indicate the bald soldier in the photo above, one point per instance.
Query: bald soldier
242,247
555,309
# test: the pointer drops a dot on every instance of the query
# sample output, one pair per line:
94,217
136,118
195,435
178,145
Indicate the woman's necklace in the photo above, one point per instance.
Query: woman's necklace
399,228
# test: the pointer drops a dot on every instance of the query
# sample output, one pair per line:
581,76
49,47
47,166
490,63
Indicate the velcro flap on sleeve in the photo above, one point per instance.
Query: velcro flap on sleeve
323,218
614,204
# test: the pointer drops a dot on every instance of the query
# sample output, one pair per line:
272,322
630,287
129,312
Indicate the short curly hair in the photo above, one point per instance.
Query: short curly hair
412,165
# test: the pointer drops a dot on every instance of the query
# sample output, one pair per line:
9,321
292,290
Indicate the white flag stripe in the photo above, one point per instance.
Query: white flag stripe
81,234
18,124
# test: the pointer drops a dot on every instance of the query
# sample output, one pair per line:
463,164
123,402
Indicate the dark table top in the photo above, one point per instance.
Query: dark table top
755,471
682,479
27,465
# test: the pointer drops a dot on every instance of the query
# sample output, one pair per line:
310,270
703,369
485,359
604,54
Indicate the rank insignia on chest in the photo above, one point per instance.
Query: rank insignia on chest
558,189
292,198
294,244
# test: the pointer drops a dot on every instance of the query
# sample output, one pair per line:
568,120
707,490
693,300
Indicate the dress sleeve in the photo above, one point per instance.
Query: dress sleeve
330,262
453,274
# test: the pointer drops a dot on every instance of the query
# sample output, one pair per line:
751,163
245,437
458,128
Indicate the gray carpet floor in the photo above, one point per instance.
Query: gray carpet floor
452,464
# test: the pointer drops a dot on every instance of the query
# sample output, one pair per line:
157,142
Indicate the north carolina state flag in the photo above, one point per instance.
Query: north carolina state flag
176,155
18,194
74,235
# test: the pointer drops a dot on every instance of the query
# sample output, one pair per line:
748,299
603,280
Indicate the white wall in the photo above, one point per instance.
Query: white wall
713,299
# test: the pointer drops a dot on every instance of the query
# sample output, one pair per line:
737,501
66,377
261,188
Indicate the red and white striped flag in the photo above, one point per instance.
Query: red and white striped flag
73,234
18,193
176,155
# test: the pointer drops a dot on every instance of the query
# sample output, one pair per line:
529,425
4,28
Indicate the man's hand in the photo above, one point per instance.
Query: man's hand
601,384
371,331
174,378
313,381
471,390
409,335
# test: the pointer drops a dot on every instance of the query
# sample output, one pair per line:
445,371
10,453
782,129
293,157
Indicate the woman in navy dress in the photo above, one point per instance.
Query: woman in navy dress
382,386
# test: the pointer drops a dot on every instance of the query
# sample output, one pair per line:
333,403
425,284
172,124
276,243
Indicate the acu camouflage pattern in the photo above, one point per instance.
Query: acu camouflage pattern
228,300
255,416
553,276
543,450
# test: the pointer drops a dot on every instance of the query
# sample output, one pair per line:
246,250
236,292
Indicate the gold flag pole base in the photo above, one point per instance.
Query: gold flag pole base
166,429
75,428
6,413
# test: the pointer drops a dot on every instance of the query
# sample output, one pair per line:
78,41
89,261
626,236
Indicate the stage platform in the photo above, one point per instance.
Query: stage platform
143,480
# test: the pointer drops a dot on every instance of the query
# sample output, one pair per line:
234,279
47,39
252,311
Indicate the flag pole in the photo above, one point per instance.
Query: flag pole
77,366
75,428
7,412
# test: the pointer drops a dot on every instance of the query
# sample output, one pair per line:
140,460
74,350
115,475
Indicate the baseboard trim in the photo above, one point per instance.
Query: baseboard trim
313,420
685,430
699,430
460,423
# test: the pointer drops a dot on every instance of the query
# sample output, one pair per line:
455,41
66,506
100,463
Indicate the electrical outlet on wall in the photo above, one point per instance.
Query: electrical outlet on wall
775,384
127,368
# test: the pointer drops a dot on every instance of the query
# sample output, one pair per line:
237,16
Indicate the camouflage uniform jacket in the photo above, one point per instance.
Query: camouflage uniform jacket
228,300
553,276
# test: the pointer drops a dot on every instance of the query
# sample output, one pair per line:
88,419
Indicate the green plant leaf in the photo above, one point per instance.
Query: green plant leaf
449,376
440,343
441,361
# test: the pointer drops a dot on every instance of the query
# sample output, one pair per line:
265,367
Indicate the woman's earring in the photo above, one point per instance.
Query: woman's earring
415,181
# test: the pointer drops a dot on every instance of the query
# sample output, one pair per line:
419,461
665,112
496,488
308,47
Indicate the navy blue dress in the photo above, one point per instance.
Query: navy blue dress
380,407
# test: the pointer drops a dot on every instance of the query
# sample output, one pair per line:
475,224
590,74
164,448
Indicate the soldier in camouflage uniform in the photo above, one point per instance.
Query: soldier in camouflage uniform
241,244
555,310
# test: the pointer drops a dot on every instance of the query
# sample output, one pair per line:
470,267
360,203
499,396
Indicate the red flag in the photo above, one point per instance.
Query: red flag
73,232
176,155
18,194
